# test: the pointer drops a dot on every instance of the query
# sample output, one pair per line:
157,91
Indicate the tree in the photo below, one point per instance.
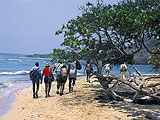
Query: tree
155,59
142,22
110,33
90,36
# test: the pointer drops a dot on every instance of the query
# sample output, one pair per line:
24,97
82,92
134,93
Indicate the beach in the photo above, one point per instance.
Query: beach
85,102
82,104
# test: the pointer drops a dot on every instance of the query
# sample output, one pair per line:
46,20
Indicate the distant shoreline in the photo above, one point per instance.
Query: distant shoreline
39,56
48,56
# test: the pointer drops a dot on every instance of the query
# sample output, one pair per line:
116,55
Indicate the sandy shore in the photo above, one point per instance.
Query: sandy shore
82,104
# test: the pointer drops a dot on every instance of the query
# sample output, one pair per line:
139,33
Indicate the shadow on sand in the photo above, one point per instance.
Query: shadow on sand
94,92
140,112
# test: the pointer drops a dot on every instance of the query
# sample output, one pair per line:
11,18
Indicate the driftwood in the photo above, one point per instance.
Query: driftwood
153,85
140,91
152,78
136,70
142,95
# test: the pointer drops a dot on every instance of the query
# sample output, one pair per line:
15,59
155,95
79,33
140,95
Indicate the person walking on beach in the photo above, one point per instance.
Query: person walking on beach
63,78
47,71
35,76
107,68
72,71
123,69
89,69
57,69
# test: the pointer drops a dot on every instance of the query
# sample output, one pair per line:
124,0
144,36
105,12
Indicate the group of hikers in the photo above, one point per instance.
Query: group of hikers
62,73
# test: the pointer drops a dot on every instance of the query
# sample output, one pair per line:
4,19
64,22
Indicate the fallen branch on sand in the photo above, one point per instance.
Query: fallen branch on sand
136,84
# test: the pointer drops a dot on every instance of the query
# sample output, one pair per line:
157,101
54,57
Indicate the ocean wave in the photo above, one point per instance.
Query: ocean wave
15,60
8,84
15,73
23,72
2,85
35,58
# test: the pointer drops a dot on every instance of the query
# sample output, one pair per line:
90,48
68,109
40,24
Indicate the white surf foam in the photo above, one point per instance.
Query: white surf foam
15,60
23,72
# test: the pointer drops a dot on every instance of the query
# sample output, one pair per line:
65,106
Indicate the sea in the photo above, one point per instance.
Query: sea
14,75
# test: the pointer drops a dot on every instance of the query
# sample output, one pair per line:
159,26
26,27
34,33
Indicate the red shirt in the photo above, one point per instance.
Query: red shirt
46,70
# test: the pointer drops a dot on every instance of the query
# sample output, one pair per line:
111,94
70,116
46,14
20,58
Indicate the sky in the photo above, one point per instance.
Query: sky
29,26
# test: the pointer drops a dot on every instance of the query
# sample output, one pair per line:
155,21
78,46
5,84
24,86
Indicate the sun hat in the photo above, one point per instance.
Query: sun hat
47,65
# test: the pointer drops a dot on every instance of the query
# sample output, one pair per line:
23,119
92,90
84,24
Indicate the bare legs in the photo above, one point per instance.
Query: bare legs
123,75
107,73
88,78
47,89
61,88
71,81
58,85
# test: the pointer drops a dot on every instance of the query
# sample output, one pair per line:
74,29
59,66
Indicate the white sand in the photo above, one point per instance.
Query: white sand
79,105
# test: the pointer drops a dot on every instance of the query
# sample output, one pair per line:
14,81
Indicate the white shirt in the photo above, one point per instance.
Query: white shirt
107,66
123,67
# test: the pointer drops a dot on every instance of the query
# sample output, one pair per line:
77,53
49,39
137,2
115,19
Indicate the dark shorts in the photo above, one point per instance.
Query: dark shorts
46,79
72,78
88,71
35,81
62,79
108,70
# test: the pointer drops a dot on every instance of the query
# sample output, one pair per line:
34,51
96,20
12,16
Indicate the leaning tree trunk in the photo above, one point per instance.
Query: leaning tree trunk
105,81
99,68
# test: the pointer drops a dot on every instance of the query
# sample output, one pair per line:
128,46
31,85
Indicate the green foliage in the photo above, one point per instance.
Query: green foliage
58,55
39,55
142,18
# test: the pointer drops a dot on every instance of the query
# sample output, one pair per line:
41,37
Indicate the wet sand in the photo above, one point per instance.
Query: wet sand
85,103
7,96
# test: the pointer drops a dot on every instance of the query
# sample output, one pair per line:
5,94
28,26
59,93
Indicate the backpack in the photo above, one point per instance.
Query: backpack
89,68
50,76
64,72
33,74
78,65
72,70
